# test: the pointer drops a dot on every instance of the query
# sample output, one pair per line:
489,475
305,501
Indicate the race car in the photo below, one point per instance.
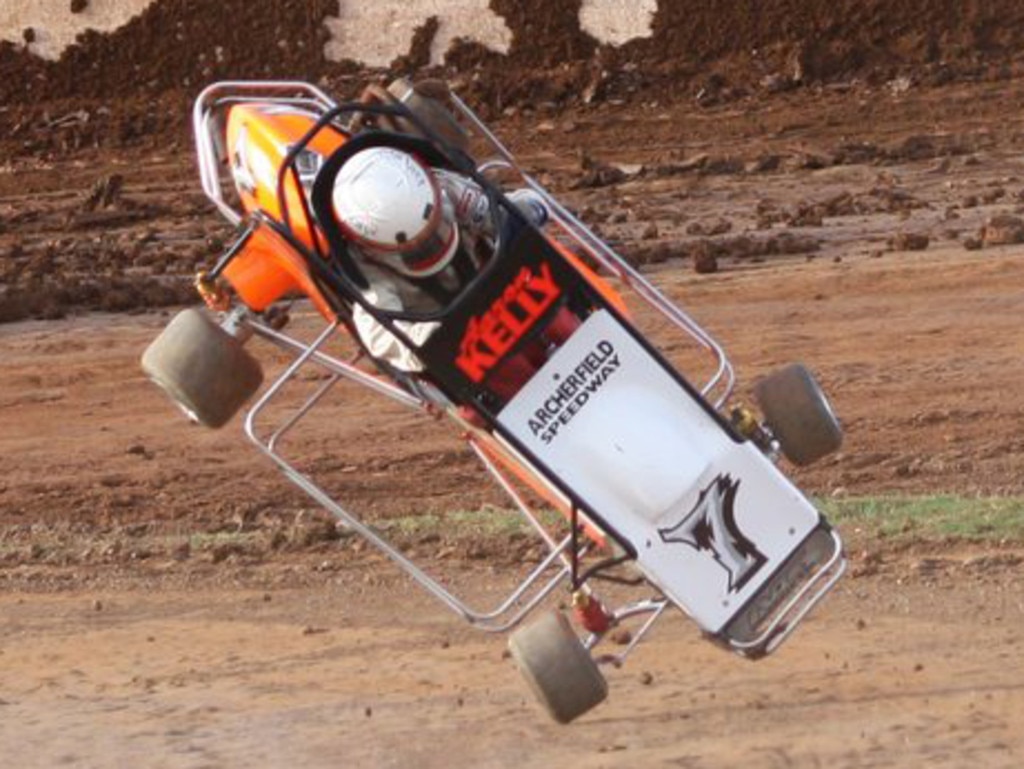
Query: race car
543,362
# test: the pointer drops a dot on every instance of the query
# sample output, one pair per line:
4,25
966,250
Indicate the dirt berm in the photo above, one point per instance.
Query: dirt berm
178,45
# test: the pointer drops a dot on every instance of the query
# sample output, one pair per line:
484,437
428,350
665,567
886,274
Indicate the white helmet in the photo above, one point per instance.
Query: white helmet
390,206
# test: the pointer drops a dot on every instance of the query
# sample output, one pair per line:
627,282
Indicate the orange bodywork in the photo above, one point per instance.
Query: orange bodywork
609,294
268,268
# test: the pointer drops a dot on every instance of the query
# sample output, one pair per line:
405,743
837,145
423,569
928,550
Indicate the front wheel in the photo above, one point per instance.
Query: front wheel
205,370
558,668
798,414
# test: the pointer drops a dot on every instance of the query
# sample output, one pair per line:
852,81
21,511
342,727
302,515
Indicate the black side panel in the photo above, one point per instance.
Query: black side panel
510,302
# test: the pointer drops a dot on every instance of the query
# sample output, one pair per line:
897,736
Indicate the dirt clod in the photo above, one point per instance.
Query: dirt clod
1002,230
909,241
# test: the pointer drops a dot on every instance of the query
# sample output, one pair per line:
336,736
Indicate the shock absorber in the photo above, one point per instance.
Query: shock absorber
591,613
212,291
747,425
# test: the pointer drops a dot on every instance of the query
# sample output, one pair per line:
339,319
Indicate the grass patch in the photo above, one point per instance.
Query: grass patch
485,522
941,518
897,519
207,540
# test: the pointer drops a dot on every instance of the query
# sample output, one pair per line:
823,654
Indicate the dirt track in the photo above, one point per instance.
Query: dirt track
168,600
123,645
908,672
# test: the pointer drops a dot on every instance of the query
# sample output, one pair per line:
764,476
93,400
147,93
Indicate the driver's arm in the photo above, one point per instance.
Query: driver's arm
471,206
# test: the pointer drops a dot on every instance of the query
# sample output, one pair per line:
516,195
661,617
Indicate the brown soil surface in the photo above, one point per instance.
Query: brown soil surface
133,87
170,600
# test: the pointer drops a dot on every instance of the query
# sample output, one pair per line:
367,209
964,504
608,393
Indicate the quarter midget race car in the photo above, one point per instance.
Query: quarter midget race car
633,470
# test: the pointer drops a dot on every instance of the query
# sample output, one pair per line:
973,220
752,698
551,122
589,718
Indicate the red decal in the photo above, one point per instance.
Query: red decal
489,336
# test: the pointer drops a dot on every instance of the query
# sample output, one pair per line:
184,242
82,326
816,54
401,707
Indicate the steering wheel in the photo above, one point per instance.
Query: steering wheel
426,100
374,95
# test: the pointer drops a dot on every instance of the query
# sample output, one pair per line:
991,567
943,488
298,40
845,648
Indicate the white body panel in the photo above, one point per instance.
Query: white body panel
711,519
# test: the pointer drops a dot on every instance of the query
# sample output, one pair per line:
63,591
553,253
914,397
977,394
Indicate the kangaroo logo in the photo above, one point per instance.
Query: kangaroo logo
711,526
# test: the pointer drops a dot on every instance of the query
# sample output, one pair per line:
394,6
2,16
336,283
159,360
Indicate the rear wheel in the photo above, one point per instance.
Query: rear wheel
558,668
798,414
203,368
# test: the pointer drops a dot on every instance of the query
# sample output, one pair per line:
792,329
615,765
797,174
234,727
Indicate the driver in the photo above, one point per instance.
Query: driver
419,235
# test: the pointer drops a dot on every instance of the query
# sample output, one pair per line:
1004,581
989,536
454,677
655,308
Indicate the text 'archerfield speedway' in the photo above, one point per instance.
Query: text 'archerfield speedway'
574,391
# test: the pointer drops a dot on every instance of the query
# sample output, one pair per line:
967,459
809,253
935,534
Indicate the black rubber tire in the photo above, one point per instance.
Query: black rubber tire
798,414
558,668
204,369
